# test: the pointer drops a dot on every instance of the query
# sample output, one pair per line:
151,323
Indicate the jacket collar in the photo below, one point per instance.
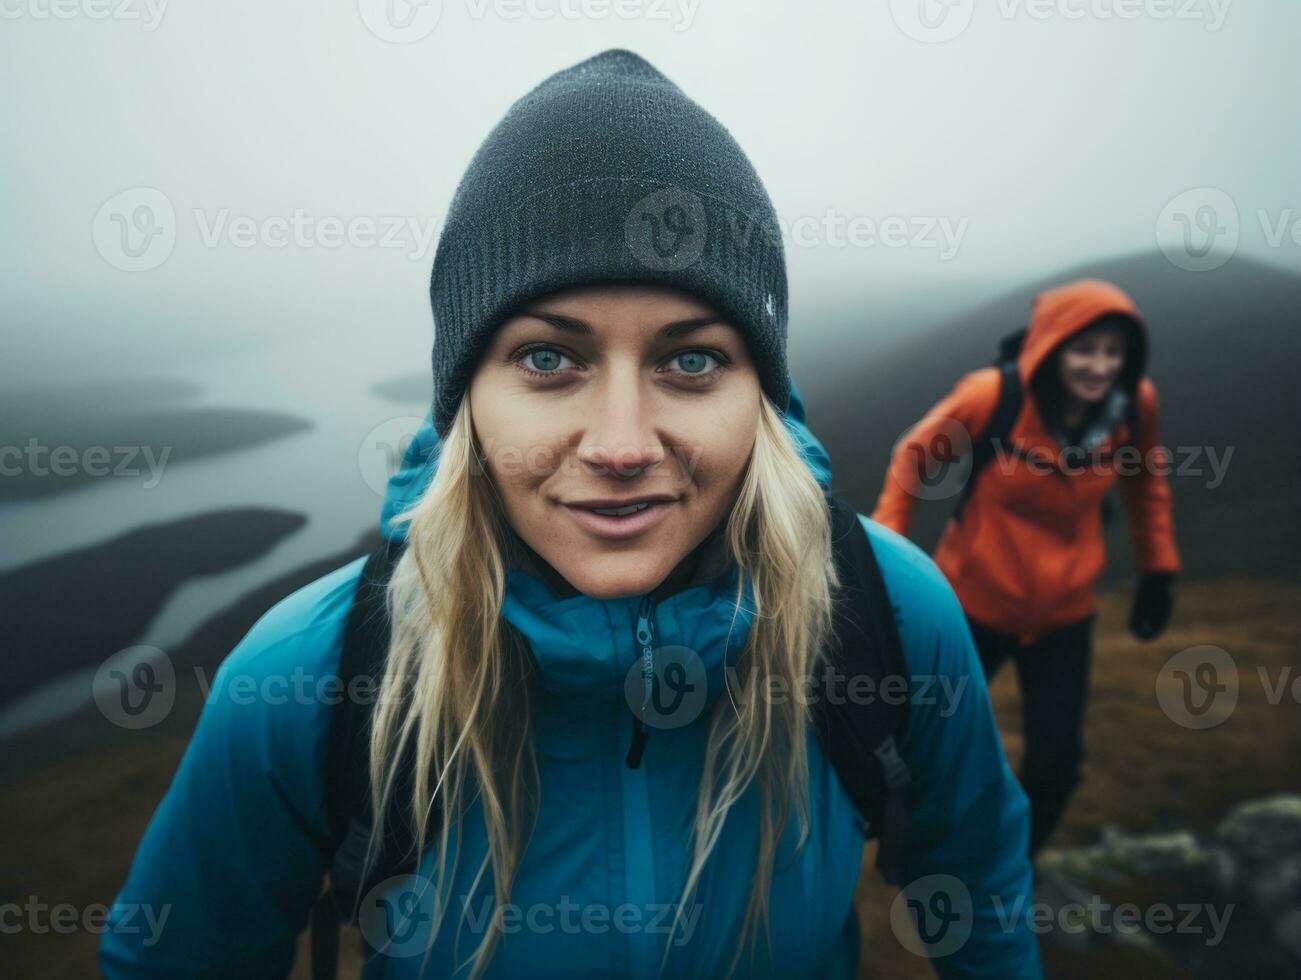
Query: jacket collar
583,646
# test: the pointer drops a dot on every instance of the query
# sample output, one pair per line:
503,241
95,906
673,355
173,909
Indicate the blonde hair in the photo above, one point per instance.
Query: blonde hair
464,718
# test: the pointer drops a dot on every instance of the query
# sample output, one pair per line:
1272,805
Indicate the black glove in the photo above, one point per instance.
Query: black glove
1153,603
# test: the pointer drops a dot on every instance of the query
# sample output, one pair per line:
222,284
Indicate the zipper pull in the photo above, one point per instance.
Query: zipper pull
646,652
638,745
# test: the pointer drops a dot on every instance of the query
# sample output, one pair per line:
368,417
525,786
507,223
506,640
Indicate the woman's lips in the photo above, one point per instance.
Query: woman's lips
630,525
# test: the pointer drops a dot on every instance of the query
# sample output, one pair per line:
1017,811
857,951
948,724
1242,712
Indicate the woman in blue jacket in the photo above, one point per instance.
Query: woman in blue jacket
618,452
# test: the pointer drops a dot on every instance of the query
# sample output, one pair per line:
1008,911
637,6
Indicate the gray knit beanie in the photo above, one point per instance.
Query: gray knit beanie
606,172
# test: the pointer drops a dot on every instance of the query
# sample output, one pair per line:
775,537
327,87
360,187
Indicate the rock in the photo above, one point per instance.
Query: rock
1223,904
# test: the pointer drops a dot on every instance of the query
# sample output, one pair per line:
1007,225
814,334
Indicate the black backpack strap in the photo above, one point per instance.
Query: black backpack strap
365,647
347,785
985,446
861,734
1130,440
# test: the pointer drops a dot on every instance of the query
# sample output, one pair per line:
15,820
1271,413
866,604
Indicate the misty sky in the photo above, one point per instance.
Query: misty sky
1038,136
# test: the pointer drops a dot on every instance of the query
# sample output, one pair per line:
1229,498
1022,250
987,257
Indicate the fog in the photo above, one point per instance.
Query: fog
1039,135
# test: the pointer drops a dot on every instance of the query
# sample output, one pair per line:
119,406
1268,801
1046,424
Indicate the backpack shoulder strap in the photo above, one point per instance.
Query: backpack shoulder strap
1132,413
347,783
365,646
1130,420
860,733
985,445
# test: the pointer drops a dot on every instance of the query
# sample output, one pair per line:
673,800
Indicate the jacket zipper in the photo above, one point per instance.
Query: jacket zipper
645,646
638,835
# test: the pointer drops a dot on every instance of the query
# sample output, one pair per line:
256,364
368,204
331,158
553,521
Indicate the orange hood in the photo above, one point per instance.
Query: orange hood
1063,311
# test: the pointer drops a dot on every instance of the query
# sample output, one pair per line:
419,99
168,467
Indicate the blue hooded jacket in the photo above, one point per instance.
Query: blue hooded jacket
235,855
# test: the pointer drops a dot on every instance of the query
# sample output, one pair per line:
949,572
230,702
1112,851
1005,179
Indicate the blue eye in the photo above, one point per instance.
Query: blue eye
694,361
542,360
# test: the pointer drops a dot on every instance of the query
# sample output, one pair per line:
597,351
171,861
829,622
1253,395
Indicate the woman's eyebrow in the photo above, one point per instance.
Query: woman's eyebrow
572,324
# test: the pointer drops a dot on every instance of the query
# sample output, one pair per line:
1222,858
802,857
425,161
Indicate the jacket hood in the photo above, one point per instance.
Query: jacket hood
1060,313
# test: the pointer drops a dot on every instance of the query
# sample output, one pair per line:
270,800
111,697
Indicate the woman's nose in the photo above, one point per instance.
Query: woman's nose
620,435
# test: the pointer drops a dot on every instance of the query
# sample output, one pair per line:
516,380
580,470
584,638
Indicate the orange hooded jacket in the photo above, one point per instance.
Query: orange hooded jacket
1027,550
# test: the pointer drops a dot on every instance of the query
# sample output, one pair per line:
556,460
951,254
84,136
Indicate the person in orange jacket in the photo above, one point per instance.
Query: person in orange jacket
1025,546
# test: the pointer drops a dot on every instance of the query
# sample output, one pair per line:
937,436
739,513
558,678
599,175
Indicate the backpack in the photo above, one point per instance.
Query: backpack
859,735
1007,410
